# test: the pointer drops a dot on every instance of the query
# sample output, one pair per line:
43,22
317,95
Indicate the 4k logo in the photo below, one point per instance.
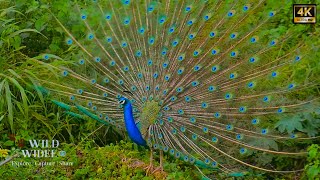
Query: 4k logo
304,13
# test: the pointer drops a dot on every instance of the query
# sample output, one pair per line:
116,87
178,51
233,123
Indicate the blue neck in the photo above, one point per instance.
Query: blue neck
132,129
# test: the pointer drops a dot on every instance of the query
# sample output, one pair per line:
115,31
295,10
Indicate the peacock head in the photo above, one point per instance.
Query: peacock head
123,101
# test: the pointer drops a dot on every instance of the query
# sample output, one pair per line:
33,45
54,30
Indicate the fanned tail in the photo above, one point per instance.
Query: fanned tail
218,73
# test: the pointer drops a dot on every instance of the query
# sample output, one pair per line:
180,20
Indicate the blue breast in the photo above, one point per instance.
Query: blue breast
132,129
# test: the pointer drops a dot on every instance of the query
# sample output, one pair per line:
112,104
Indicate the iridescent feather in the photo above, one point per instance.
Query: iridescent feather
206,78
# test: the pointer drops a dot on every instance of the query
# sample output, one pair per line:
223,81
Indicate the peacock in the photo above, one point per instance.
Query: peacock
202,81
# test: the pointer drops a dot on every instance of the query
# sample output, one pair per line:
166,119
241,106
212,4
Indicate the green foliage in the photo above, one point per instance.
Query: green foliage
289,124
304,122
120,161
312,169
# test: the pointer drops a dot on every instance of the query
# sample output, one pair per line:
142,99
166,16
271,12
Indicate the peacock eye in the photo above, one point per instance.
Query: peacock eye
122,101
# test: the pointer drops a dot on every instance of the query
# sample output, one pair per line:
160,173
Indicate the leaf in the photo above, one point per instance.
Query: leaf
289,124
8,143
1,86
265,143
9,105
39,25
53,47
43,119
8,10
18,104
313,171
14,73
23,94
24,133
40,57
25,30
265,159
32,8
17,42
39,92
313,152
311,123
312,127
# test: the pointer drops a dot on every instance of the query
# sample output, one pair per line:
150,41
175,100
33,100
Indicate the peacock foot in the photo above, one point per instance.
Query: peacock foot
158,169
149,169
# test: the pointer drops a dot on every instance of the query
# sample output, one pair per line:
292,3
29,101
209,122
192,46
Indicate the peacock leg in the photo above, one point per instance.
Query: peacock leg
161,163
149,168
